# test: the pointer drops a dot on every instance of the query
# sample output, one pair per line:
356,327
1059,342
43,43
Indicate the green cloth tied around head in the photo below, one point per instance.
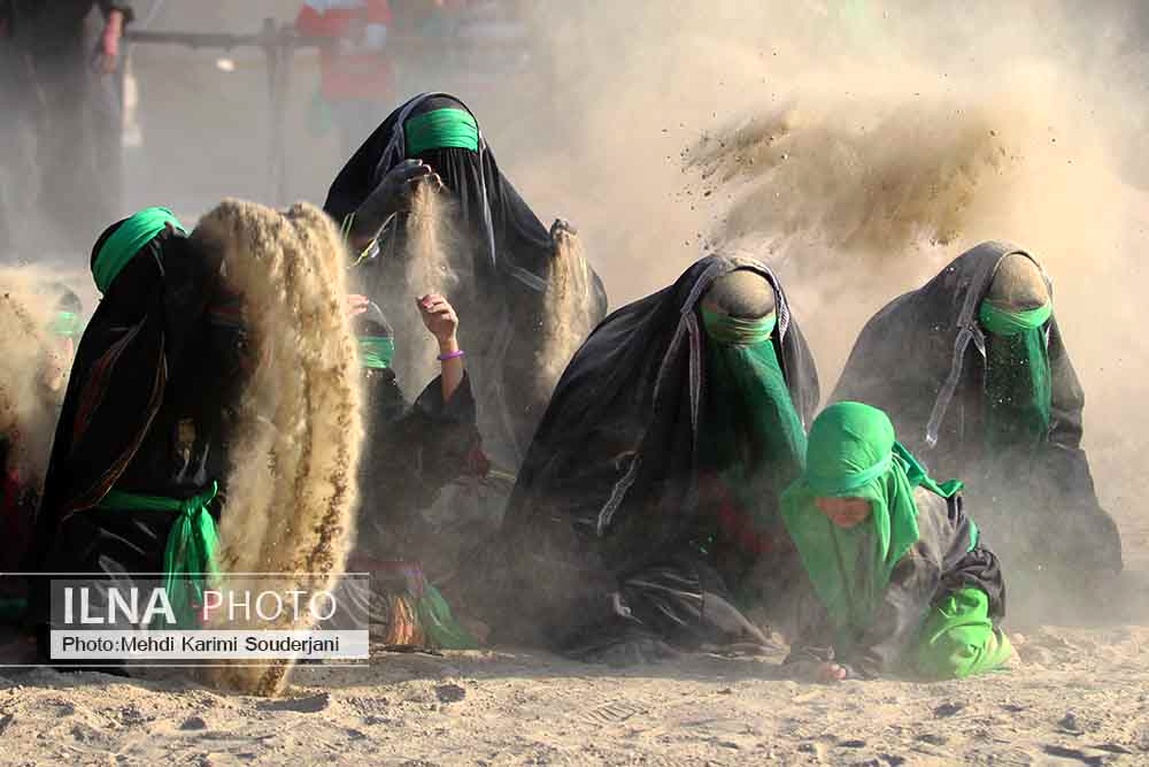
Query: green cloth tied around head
1006,322
190,553
441,129
853,453
736,331
752,437
376,352
1018,379
128,239
65,325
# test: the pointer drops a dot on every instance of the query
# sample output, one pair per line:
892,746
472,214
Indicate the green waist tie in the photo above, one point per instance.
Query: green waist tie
190,554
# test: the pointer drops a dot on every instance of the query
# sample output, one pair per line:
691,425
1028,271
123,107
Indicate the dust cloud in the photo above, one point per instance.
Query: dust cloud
431,247
36,366
569,310
858,147
292,486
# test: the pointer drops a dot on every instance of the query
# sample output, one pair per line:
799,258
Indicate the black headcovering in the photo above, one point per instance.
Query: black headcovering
920,351
509,239
626,413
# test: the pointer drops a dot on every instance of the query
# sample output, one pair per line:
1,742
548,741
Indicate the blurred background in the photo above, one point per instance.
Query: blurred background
260,99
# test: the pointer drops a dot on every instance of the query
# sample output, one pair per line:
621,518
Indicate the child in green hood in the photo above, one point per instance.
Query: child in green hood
901,580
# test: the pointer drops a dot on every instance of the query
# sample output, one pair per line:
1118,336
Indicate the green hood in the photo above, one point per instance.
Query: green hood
853,453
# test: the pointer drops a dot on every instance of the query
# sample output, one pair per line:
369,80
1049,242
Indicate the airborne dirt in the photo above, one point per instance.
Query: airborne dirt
858,159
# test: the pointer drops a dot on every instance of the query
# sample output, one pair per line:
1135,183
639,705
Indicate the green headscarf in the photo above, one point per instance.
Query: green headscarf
752,436
376,352
441,129
1019,391
126,241
853,453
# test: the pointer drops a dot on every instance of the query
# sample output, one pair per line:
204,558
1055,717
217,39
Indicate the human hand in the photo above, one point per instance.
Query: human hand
357,304
830,672
439,317
392,195
108,54
561,228
823,672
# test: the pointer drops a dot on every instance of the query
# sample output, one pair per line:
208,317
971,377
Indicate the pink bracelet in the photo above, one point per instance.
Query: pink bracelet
452,355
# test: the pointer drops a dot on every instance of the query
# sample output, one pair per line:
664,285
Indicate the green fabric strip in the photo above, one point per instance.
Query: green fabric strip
839,484
439,624
376,352
918,477
124,243
959,639
441,129
190,553
1006,322
1018,379
65,324
752,436
735,331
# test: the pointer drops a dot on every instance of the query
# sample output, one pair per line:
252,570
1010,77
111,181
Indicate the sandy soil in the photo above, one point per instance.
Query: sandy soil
1080,697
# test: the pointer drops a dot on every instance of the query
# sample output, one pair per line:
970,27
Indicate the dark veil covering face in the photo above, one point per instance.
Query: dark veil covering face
618,453
120,372
502,285
510,241
922,360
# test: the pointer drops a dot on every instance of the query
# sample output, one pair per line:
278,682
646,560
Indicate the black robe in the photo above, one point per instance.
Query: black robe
411,453
502,285
604,527
146,411
922,360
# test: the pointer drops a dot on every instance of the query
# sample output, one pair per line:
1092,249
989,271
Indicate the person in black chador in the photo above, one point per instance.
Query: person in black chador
503,264
973,371
134,480
411,453
646,516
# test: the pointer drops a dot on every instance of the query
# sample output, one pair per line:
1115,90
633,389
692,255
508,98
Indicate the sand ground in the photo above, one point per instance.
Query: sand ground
1080,696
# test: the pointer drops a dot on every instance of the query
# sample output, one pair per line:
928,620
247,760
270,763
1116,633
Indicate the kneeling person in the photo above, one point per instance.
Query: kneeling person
141,449
412,453
901,580
645,518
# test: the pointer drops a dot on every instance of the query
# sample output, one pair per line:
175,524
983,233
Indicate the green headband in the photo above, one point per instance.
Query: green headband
1003,322
65,324
376,352
734,331
441,129
842,484
128,240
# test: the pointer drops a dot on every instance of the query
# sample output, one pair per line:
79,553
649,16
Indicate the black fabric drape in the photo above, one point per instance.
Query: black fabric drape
144,411
502,279
411,453
922,360
608,498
